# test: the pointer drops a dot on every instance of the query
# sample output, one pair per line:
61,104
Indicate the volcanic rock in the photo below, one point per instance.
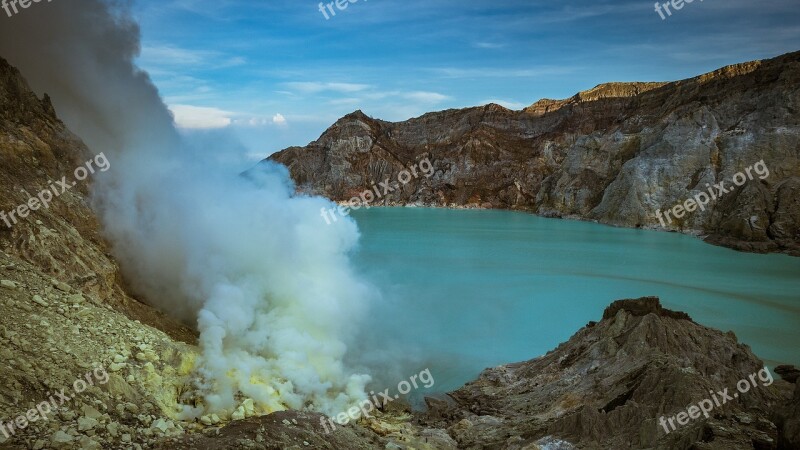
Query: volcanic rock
788,373
616,154
609,385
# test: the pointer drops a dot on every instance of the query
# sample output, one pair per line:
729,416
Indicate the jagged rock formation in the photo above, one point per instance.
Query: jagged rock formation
789,422
63,240
614,154
788,373
64,311
608,386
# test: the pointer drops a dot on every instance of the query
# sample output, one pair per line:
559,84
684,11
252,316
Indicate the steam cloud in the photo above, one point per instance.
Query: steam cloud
271,291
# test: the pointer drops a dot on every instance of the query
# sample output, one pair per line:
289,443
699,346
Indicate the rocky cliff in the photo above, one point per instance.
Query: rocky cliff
614,154
65,316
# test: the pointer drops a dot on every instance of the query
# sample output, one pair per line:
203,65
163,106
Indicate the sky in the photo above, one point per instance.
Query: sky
277,73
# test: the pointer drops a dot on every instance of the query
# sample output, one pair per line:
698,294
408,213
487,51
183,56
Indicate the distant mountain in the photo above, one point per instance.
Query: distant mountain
615,154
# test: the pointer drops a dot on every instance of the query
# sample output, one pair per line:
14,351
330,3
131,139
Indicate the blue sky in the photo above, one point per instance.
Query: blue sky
276,73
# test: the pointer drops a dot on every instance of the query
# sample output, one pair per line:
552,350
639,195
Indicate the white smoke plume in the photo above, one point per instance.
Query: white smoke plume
268,285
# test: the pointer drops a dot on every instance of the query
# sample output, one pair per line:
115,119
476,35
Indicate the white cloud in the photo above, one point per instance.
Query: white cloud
199,117
257,122
278,119
253,122
154,57
314,87
426,97
456,72
255,156
161,55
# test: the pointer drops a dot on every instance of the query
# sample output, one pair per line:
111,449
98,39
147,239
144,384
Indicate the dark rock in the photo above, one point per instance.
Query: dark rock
788,373
788,420
642,307
607,387
440,407
281,430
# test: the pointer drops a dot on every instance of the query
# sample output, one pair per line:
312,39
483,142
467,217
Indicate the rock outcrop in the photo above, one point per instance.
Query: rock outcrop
788,373
611,383
614,154
789,421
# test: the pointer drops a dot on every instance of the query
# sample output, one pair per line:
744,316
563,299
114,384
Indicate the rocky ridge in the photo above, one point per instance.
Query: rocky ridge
64,311
609,385
614,154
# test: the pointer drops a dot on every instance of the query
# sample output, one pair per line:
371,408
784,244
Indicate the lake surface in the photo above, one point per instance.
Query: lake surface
464,290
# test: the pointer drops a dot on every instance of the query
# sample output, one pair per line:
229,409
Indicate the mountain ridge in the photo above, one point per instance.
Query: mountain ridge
614,154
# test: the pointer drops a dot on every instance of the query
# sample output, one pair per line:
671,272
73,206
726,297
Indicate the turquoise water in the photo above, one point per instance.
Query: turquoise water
464,290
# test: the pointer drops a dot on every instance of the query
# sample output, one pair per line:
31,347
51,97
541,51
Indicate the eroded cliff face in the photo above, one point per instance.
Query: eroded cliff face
63,241
615,154
35,149
67,324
